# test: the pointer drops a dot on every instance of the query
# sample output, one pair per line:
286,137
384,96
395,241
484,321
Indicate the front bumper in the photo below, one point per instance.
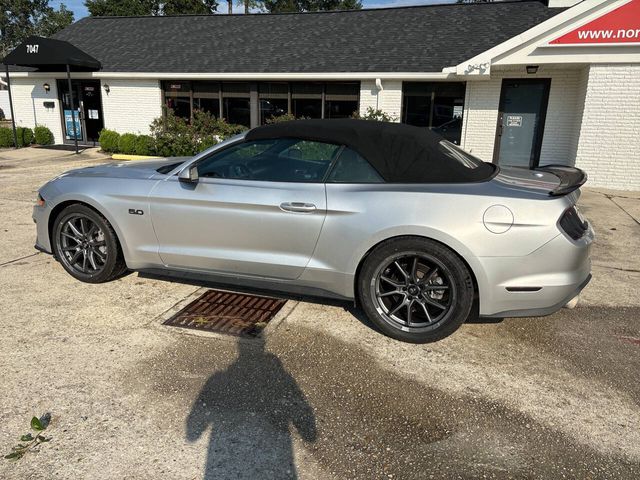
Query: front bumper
537,284
41,219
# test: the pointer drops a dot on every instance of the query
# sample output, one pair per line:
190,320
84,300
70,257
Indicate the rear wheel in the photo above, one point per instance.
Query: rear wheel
415,290
86,245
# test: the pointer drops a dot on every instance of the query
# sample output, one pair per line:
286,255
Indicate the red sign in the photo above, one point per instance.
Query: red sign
621,25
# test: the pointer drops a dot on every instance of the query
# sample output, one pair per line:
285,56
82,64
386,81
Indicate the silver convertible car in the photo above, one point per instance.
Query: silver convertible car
418,232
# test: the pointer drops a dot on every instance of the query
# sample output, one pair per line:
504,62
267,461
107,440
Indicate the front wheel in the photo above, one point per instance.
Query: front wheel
86,245
415,290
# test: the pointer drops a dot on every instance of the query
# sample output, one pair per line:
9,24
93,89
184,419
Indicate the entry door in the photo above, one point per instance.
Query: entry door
91,109
88,116
263,229
523,107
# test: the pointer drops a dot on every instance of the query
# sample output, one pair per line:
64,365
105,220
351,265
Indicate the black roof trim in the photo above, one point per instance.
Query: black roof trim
400,153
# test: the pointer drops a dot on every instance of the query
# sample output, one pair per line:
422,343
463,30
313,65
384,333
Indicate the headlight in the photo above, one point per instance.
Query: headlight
39,200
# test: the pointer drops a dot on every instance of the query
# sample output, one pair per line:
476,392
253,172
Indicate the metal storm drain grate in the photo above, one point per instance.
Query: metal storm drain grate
227,312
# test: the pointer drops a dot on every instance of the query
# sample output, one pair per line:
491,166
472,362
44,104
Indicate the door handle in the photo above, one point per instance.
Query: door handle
298,207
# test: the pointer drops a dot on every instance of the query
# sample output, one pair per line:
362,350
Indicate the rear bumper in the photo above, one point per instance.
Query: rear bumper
537,284
542,311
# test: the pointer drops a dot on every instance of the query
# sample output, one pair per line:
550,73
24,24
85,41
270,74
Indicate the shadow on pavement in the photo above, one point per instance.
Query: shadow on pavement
249,408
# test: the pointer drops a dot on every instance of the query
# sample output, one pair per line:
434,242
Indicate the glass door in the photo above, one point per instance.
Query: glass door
88,110
523,108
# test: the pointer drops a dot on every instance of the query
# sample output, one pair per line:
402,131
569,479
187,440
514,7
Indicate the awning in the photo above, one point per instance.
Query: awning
50,55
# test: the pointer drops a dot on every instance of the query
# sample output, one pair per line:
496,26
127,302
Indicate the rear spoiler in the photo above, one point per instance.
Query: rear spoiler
571,178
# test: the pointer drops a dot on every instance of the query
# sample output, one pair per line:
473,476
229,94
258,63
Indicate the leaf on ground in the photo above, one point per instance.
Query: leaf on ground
26,438
14,455
36,424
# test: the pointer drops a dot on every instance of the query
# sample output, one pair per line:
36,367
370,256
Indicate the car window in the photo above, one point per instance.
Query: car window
274,160
459,155
351,167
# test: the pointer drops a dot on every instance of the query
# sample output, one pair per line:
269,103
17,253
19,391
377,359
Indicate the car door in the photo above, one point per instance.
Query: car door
257,209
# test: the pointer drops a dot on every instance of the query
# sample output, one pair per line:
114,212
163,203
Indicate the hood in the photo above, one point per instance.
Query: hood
129,169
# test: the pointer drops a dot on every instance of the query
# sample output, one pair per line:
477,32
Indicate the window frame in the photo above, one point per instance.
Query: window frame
335,162
323,180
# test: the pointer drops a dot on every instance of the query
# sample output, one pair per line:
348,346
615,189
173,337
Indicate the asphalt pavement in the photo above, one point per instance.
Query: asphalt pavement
321,395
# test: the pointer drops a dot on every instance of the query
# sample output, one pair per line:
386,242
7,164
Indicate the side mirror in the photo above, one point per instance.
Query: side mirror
189,175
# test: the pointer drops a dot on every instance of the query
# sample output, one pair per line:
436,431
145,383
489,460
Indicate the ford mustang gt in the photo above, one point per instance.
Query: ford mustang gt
417,231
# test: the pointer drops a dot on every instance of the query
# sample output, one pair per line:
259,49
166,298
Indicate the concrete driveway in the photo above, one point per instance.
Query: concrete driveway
322,395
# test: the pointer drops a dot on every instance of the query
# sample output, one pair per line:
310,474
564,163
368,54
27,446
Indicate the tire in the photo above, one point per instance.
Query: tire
415,290
83,239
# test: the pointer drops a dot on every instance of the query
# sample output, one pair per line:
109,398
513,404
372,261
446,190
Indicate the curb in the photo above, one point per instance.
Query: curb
122,156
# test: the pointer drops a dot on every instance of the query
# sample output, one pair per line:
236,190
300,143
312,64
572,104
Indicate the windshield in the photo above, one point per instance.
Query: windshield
459,155
167,168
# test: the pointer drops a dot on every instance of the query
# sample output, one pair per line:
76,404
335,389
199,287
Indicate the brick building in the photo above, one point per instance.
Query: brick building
518,83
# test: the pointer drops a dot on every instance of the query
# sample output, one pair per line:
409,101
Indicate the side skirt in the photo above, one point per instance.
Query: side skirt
239,283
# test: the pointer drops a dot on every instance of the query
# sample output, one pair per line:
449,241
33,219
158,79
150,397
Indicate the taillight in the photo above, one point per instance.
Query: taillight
573,223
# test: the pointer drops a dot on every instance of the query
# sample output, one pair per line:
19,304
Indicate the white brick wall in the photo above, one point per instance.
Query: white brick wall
609,143
4,103
480,117
131,105
561,126
28,97
388,100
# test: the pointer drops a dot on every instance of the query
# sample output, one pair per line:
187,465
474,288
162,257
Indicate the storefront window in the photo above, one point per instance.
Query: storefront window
209,105
177,97
341,100
232,100
435,105
236,104
274,100
306,100
206,97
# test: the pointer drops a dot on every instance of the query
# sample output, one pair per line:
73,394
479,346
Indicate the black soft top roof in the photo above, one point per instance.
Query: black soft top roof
400,153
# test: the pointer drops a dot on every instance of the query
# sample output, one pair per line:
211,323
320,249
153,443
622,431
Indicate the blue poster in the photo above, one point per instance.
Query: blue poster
68,124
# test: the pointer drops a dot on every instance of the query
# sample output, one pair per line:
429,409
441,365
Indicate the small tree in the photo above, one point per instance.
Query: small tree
21,18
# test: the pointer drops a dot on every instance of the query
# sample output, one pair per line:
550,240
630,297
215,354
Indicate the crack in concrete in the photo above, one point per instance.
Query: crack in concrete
611,199
18,259
632,270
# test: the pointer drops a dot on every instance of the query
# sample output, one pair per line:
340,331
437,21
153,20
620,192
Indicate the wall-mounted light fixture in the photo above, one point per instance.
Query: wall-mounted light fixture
531,69
107,89
46,87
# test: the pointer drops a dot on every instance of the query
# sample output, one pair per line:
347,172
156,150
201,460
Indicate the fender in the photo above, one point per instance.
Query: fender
420,231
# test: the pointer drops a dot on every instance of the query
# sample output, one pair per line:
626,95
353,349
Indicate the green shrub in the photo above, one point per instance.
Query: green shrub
174,136
25,136
376,115
43,135
170,145
6,137
287,117
127,143
205,142
143,145
109,140
204,124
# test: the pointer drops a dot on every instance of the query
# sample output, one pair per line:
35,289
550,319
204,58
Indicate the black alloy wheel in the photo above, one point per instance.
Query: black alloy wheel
415,289
86,245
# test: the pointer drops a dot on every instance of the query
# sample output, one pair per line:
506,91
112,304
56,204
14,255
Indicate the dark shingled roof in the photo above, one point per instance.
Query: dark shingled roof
410,39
